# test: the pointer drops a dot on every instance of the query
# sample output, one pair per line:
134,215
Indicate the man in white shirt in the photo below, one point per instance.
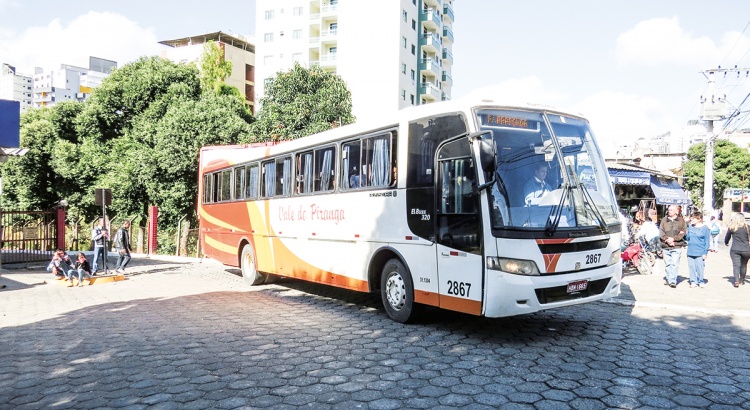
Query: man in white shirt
536,187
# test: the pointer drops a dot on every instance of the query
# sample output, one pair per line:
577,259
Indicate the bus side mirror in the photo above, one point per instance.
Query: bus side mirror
488,155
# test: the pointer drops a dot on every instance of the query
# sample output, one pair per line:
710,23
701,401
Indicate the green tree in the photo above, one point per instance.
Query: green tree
302,102
214,68
731,163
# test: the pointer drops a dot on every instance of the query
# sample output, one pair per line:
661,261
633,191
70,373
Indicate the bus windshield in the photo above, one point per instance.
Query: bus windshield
550,174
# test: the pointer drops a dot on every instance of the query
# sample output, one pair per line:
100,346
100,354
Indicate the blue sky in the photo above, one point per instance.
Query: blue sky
633,67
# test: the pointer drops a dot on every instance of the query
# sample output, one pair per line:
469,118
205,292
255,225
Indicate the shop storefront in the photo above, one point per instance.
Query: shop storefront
637,189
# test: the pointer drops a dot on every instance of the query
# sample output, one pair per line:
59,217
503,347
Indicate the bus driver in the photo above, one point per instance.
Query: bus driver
536,187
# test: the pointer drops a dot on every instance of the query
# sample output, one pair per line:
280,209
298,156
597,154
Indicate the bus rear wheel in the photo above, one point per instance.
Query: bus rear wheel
249,267
397,291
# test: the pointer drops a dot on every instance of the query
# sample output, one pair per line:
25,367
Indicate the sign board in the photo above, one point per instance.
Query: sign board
10,124
30,232
103,196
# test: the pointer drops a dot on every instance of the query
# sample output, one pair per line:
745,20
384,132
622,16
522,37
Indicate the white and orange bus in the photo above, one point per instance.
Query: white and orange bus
442,206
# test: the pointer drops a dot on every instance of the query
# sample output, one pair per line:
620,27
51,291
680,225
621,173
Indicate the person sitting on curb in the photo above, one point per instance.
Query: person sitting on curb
60,261
82,267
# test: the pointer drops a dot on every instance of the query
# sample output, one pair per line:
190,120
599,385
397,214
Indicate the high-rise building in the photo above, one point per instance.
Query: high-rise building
236,49
69,82
15,87
391,54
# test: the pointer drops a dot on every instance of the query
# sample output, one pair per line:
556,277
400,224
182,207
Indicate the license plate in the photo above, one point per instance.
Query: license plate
578,286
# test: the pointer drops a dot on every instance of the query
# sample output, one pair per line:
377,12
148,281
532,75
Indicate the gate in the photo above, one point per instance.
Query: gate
31,236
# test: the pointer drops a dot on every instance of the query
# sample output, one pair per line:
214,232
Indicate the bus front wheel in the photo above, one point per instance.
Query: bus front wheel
397,291
249,267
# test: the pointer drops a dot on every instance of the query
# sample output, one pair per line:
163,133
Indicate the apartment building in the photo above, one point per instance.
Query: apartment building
69,83
236,49
15,87
392,54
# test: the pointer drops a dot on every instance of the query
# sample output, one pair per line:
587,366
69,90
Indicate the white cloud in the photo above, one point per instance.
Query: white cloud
105,35
523,90
619,118
663,41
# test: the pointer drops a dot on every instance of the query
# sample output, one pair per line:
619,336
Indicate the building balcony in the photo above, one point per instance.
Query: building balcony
44,98
327,60
445,97
448,13
447,56
315,16
447,79
448,34
430,19
328,36
431,43
429,67
429,92
329,8
433,3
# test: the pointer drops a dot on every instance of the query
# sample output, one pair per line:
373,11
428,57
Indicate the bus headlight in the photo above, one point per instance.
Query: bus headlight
514,266
615,258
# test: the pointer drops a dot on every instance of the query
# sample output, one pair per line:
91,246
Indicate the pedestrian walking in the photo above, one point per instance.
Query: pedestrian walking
672,231
739,233
699,242
715,231
122,244
99,235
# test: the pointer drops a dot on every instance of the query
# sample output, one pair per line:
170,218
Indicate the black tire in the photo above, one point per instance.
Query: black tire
397,291
249,267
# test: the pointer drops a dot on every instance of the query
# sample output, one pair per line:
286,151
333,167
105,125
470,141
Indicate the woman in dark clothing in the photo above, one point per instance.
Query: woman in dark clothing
740,250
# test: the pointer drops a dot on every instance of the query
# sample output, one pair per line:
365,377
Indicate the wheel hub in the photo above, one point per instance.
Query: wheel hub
395,290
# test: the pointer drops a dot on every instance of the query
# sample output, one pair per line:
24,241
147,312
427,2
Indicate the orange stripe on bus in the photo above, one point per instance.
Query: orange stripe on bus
473,307
553,241
427,298
550,261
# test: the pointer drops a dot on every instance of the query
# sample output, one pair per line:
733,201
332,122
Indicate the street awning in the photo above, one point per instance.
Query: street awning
668,191
627,177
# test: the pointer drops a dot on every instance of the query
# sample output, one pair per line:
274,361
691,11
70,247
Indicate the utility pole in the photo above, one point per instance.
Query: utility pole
712,109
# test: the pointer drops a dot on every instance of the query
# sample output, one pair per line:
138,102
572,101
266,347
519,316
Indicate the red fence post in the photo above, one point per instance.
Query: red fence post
60,228
153,215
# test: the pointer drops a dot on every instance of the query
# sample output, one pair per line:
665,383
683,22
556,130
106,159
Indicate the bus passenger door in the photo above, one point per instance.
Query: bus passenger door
459,232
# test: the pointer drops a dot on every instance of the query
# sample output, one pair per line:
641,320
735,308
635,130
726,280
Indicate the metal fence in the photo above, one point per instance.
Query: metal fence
28,236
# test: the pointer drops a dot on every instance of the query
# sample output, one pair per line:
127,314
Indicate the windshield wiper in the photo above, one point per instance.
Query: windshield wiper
589,202
552,223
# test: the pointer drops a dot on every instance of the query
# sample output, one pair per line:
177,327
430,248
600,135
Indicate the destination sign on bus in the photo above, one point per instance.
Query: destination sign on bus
510,122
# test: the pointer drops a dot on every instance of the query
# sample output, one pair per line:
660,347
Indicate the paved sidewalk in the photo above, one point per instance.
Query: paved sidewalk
719,296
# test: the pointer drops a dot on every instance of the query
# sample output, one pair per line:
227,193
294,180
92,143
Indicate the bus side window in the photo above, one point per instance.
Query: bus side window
239,183
284,176
304,173
268,183
350,165
252,180
376,167
324,170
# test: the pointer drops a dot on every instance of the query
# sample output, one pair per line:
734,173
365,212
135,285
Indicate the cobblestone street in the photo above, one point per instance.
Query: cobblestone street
188,335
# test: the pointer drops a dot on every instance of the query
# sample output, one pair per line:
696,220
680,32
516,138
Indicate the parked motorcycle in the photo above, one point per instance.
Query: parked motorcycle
639,255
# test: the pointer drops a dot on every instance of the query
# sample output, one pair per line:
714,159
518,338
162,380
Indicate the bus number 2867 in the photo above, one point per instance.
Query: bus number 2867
458,288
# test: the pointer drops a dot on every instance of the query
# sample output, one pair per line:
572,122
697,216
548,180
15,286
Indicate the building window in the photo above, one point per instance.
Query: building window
297,11
414,2
404,16
403,68
411,99
413,50
403,42
413,75
296,57
268,37
281,34
414,24
269,14
403,95
297,34
333,27
332,52
267,60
